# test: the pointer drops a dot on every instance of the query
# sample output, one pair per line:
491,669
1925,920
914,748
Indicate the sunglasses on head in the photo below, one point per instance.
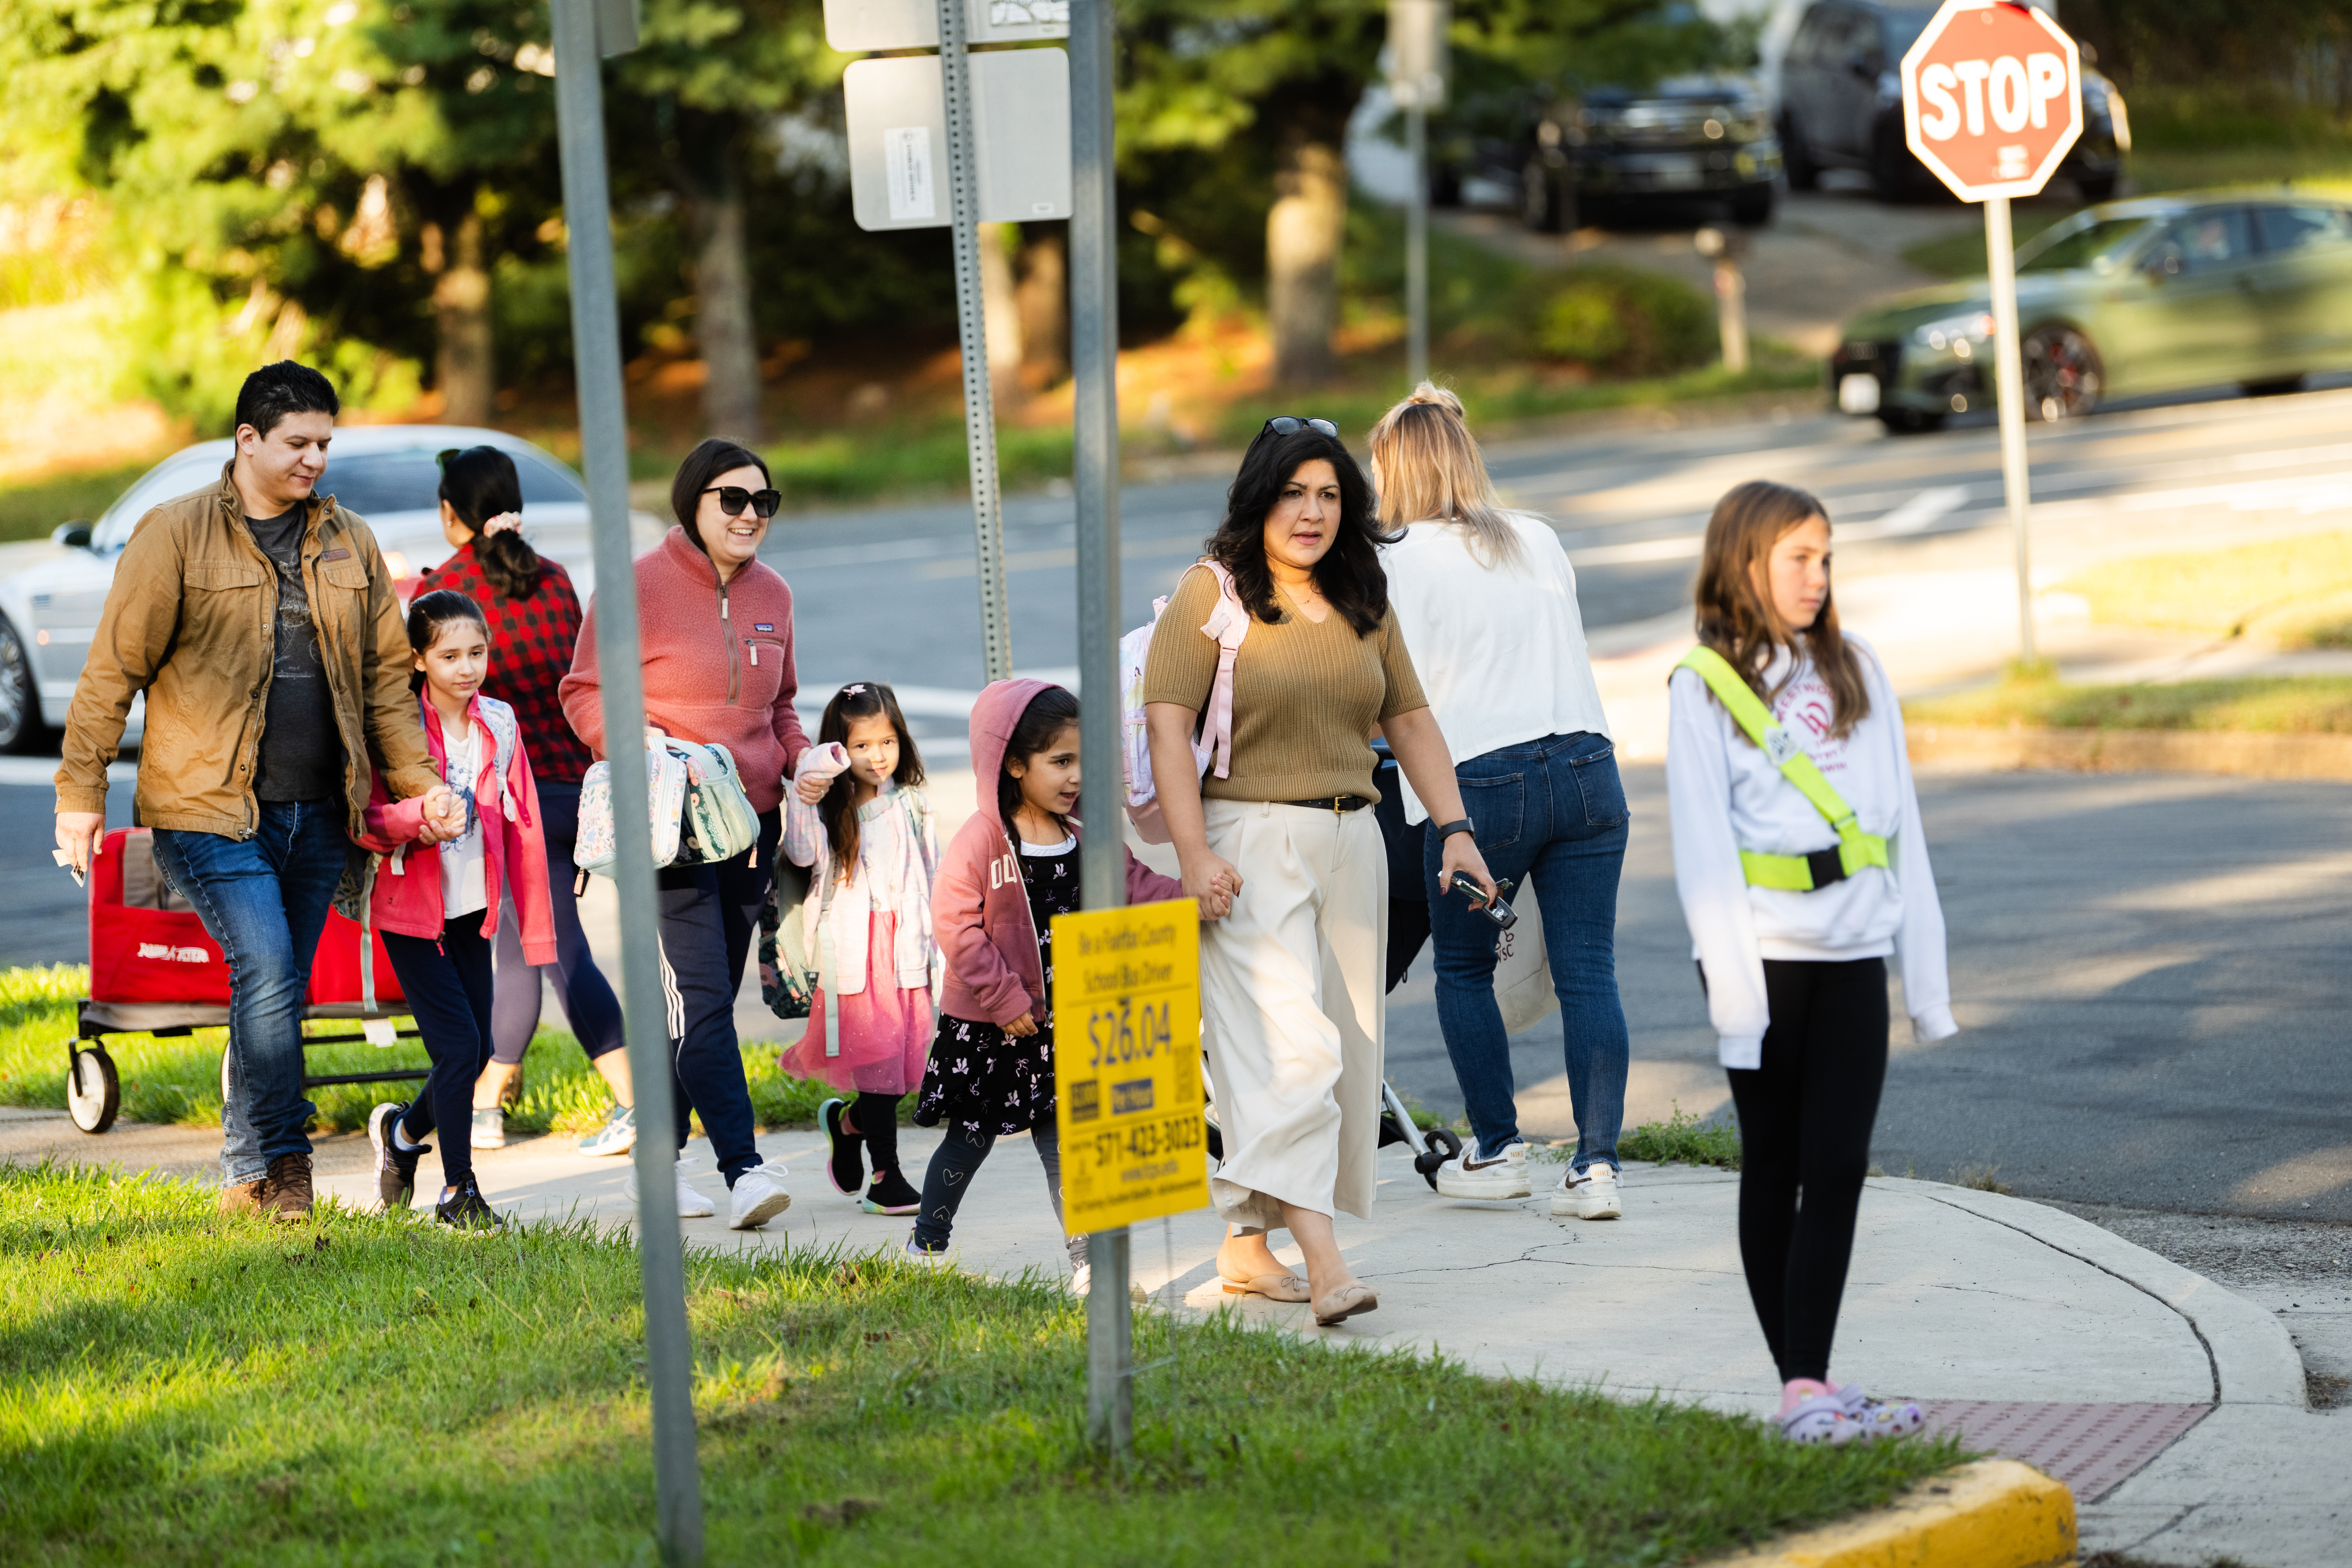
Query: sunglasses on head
733,499
1290,424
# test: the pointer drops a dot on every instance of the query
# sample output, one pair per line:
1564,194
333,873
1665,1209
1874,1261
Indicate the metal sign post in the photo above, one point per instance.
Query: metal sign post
1094,364
585,29
972,323
1992,99
1417,69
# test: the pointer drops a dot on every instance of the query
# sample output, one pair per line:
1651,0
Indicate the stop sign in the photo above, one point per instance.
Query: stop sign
1993,98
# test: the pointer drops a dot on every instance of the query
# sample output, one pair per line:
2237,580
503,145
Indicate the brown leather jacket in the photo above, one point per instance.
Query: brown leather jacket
190,621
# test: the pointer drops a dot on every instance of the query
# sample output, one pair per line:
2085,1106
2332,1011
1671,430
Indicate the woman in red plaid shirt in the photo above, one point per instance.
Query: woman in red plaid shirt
534,623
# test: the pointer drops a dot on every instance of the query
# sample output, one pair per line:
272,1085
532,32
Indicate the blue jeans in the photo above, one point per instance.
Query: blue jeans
264,900
1554,808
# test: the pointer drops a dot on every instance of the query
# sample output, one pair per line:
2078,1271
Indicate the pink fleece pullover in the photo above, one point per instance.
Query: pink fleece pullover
979,905
407,897
719,664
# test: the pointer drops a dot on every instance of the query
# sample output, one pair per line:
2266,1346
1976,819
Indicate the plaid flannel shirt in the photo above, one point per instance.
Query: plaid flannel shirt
532,642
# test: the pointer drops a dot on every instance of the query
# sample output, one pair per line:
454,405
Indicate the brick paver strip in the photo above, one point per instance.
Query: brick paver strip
2093,1449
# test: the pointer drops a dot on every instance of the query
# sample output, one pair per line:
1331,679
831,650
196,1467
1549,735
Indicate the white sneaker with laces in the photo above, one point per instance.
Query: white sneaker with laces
1503,1175
759,1197
691,1205
1589,1193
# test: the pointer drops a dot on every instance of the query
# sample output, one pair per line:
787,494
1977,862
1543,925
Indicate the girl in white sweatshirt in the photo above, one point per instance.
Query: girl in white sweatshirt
1801,866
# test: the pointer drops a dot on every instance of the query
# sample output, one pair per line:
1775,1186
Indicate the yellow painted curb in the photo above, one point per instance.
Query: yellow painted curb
1995,1513
2243,753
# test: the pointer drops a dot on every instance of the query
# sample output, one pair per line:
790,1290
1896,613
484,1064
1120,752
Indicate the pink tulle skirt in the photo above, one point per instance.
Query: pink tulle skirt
882,1034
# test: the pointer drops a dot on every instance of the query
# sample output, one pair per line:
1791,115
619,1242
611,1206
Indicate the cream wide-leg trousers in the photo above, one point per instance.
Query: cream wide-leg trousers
1292,1011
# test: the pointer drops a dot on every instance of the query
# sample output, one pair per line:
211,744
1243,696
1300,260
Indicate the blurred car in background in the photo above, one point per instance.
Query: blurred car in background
1605,152
2159,294
1842,104
386,473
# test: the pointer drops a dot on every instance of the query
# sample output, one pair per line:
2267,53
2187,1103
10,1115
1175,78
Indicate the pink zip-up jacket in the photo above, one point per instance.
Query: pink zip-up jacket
719,664
979,905
407,897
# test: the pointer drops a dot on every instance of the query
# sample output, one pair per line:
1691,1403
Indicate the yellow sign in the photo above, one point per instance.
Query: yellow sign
1126,1064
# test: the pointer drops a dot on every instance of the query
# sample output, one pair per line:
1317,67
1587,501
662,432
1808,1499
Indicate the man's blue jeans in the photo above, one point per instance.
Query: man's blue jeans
1555,808
264,900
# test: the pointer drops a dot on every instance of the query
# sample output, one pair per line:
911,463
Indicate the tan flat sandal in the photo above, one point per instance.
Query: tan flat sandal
1347,1301
1272,1287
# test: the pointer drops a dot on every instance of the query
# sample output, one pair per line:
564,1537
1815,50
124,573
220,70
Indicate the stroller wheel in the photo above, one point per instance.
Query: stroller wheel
1443,1146
93,1089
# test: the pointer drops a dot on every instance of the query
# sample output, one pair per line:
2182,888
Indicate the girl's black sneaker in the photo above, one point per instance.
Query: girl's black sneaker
395,1167
466,1209
844,1164
889,1194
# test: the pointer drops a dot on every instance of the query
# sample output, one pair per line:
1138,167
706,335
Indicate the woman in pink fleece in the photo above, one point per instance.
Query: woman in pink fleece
717,630
1011,869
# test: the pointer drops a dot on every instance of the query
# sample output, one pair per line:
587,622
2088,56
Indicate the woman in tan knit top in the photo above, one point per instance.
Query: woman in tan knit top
1281,848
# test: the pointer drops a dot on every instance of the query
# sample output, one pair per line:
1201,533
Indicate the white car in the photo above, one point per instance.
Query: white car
386,473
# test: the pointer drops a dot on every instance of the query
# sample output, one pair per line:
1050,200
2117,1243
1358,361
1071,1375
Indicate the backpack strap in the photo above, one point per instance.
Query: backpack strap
1228,624
1788,873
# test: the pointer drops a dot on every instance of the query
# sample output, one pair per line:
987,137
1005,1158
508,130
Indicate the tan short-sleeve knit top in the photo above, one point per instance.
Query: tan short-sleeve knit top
1306,694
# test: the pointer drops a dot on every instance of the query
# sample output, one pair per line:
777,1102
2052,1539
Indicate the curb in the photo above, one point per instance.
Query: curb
1994,1513
1984,748
2254,1361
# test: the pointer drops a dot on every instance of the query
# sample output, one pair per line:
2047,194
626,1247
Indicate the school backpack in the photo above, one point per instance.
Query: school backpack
1212,739
694,800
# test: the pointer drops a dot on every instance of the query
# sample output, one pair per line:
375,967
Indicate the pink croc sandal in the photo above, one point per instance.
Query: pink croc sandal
1821,1419
1880,1418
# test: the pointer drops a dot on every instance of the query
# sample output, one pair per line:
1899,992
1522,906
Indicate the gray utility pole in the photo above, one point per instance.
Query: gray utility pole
585,30
1094,362
972,319
2008,381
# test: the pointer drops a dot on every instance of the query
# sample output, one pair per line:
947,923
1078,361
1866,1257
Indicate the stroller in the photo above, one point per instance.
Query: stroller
1431,1149
155,969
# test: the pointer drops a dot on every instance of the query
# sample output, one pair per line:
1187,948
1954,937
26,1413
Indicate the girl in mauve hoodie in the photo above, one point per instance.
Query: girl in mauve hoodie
1009,871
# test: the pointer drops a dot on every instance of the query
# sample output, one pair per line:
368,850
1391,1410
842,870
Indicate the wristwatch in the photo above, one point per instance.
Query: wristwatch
1462,825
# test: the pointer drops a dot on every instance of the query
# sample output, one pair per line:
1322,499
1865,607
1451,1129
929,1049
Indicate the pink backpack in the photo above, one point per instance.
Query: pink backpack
1213,744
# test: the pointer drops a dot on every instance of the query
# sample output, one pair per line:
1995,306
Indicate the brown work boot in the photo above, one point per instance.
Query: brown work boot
242,1197
285,1189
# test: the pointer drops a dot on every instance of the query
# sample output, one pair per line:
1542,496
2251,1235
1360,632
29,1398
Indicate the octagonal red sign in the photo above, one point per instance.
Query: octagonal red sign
1993,98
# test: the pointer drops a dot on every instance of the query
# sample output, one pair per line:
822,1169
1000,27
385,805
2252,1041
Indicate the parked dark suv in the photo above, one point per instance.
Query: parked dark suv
1578,156
1842,104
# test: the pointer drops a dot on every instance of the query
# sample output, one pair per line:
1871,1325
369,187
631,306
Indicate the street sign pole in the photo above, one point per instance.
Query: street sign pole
2009,393
972,319
585,29
1416,248
1094,361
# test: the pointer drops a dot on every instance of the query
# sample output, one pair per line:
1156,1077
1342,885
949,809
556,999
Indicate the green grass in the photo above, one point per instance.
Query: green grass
177,1080
2296,592
2305,704
178,1387
1683,1140
1961,254
33,510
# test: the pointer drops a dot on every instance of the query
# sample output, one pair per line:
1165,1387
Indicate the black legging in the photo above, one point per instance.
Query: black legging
876,1119
1805,1118
448,983
955,1163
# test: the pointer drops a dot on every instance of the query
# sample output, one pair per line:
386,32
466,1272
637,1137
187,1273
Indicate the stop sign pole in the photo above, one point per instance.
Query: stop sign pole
1992,99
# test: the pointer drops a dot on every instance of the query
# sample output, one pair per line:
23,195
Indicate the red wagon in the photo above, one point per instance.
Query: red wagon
155,969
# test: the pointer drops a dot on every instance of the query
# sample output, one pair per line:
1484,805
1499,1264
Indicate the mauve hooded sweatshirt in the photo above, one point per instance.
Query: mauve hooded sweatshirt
979,905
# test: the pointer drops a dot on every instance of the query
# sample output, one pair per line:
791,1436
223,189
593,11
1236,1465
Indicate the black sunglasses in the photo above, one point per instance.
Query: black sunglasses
1289,425
733,499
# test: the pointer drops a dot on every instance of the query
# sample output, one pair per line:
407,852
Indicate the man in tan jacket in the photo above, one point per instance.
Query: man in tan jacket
258,619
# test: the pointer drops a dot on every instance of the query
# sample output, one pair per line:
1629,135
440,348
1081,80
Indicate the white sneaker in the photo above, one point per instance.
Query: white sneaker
916,1255
489,1129
759,1197
691,1205
1503,1175
1588,1194
1082,1279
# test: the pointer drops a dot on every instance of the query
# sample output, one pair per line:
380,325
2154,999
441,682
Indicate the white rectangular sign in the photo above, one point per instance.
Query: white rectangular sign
854,26
897,112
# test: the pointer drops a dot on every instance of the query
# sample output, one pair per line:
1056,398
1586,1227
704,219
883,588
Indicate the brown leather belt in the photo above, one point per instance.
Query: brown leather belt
1330,803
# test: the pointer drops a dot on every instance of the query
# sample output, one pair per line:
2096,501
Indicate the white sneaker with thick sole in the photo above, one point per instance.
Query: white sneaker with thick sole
691,1205
1589,1193
759,1197
1503,1175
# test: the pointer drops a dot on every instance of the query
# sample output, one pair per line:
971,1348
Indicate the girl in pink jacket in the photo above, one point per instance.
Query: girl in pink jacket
1010,870
436,887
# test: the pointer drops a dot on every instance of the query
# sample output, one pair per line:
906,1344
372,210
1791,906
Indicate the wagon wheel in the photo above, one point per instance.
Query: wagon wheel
2062,373
93,1089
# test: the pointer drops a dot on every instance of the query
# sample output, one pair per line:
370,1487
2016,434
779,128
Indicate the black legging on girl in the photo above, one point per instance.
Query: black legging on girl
1805,1119
448,983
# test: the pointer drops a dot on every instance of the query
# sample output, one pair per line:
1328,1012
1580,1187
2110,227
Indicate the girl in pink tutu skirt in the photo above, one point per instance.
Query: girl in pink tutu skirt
858,819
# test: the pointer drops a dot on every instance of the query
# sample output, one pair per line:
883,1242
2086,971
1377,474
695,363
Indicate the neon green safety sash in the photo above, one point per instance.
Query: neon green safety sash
1789,873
